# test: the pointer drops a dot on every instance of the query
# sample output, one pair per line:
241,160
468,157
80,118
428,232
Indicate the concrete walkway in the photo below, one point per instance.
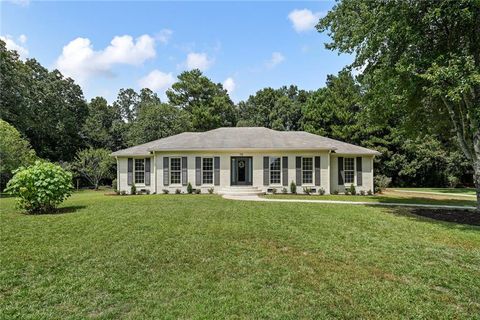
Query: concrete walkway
363,203
437,193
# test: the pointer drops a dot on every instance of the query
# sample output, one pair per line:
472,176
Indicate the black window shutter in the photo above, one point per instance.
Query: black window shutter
166,173
198,171
359,171
130,171
285,171
317,171
298,171
266,171
147,171
216,171
340,171
184,171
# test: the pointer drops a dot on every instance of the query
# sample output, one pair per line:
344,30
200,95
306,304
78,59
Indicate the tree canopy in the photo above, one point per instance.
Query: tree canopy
422,57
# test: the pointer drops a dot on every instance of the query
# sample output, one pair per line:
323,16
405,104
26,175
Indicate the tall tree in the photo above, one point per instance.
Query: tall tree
94,165
156,121
334,111
206,102
420,56
99,128
279,109
44,106
15,152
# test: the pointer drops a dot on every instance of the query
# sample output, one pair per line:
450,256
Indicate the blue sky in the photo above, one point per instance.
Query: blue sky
108,45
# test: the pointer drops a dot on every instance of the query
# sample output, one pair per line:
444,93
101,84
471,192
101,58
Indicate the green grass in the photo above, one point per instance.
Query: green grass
464,191
389,197
203,257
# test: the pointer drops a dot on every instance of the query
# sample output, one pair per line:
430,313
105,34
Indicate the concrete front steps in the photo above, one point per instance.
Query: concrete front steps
240,191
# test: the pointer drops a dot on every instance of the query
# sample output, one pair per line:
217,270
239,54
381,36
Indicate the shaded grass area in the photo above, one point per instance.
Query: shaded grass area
191,256
464,191
388,197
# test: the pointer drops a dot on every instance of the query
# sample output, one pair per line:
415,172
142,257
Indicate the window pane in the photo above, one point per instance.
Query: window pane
175,164
207,170
307,177
274,163
207,164
349,177
139,170
175,177
274,177
349,164
207,177
307,163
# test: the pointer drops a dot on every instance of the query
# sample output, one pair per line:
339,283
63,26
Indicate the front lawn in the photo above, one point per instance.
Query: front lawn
390,196
204,257
459,191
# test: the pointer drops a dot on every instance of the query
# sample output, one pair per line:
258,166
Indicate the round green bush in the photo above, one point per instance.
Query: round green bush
41,187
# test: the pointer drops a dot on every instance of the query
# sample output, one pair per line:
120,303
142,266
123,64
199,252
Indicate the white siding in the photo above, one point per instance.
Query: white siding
367,174
122,168
328,171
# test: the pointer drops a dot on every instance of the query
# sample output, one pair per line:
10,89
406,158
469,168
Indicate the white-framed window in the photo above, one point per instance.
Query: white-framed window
307,170
175,170
207,170
140,171
349,170
275,170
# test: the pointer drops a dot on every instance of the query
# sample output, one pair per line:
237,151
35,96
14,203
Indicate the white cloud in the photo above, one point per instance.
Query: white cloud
304,19
22,38
276,59
23,3
229,85
157,80
80,61
198,61
12,45
164,35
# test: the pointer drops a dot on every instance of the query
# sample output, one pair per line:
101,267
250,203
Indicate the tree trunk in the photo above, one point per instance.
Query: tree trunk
476,177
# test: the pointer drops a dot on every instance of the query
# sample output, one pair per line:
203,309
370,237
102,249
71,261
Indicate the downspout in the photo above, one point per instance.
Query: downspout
155,169
329,172
118,177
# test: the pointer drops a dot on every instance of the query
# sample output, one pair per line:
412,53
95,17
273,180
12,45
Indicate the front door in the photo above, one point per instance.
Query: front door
241,171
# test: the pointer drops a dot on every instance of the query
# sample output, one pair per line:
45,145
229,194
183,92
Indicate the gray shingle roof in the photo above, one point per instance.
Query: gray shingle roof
245,138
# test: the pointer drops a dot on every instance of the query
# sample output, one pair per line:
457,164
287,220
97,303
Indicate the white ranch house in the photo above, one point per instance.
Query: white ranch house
245,160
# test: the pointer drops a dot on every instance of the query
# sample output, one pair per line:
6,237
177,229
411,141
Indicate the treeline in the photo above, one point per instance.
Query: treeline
50,112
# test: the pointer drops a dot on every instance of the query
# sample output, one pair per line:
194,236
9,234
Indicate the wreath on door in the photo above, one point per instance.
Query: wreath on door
241,164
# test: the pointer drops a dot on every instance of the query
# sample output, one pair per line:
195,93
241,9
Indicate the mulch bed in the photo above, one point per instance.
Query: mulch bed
470,217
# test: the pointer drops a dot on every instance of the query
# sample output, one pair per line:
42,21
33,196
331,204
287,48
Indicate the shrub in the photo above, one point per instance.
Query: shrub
362,192
369,192
114,184
352,190
189,188
117,192
274,191
178,191
321,191
133,189
165,191
123,192
453,181
347,192
284,190
293,187
147,191
381,183
307,190
210,190
41,187
335,192
198,191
